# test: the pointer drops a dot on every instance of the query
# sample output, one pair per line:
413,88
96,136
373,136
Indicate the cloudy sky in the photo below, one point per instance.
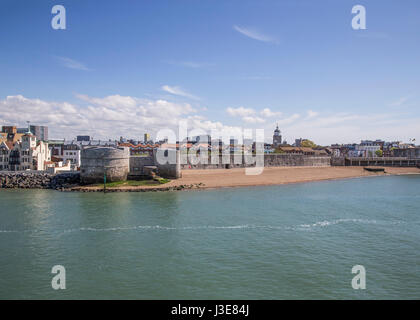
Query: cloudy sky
122,68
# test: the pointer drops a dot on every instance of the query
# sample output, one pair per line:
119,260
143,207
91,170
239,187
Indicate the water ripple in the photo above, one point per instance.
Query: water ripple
318,224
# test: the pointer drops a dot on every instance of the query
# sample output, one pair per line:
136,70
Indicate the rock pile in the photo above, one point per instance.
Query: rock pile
65,180
38,180
137,189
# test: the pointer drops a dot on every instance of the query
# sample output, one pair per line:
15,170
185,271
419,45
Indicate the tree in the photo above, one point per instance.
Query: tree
278,151
308,144
379,153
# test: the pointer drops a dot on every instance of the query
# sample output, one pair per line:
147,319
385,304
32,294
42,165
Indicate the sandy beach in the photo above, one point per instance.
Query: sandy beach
223,178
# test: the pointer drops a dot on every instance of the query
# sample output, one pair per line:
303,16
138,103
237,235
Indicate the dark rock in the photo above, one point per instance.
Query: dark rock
38,180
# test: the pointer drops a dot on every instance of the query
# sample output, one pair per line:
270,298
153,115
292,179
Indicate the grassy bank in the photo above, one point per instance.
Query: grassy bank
133,183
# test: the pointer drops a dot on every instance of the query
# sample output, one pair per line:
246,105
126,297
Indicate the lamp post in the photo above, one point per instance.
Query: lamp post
105,176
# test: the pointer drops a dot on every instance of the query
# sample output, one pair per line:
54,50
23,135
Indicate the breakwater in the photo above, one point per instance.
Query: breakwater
38,180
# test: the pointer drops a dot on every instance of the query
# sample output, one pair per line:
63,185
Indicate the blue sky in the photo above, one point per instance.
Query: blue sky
125,67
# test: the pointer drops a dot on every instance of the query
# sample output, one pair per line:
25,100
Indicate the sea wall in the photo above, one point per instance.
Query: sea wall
383,161
270,160
169,169
338,161
167,164
294,160
137,164
38,180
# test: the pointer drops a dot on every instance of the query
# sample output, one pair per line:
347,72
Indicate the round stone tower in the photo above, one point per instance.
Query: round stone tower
99,161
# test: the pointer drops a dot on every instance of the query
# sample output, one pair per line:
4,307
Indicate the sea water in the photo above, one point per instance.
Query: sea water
297,241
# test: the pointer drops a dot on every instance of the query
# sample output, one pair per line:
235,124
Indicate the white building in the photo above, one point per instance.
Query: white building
71,153
54,167
25,154
367,150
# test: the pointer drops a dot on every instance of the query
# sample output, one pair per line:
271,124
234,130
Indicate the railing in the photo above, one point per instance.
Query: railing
382,161
379,158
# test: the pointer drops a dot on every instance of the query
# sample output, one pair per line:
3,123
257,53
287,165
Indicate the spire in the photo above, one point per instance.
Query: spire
277,136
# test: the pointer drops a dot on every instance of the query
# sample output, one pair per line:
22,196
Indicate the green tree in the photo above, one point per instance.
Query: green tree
379,153
308,144
278,151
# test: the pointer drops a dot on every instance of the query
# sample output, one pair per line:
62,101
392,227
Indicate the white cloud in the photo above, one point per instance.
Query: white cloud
266,112
240,112
248,115
289,120
248,112
254,34
253,120
72,64
107,117
351,128
177,91
115,115
114,101
18,109
311,114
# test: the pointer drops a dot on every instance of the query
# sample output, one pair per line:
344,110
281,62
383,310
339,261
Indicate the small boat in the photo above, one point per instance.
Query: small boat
374,169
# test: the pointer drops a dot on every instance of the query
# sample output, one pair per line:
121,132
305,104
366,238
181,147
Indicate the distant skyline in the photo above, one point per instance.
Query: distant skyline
129,67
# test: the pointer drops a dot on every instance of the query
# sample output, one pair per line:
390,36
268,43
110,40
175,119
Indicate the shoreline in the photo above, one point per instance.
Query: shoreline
233,178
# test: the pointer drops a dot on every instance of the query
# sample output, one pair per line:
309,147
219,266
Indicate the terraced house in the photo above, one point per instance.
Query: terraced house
23,152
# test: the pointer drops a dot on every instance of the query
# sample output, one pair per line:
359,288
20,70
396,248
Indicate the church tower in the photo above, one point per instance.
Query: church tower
276,137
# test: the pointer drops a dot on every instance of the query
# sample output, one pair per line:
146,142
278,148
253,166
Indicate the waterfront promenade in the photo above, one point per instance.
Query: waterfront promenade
219,178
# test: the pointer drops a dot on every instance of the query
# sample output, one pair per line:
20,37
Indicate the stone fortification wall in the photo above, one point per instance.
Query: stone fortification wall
137,164
165,167
296,160
338,161
270,160
168,169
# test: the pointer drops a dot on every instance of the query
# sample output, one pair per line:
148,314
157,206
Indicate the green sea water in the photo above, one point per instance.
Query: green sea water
296,241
